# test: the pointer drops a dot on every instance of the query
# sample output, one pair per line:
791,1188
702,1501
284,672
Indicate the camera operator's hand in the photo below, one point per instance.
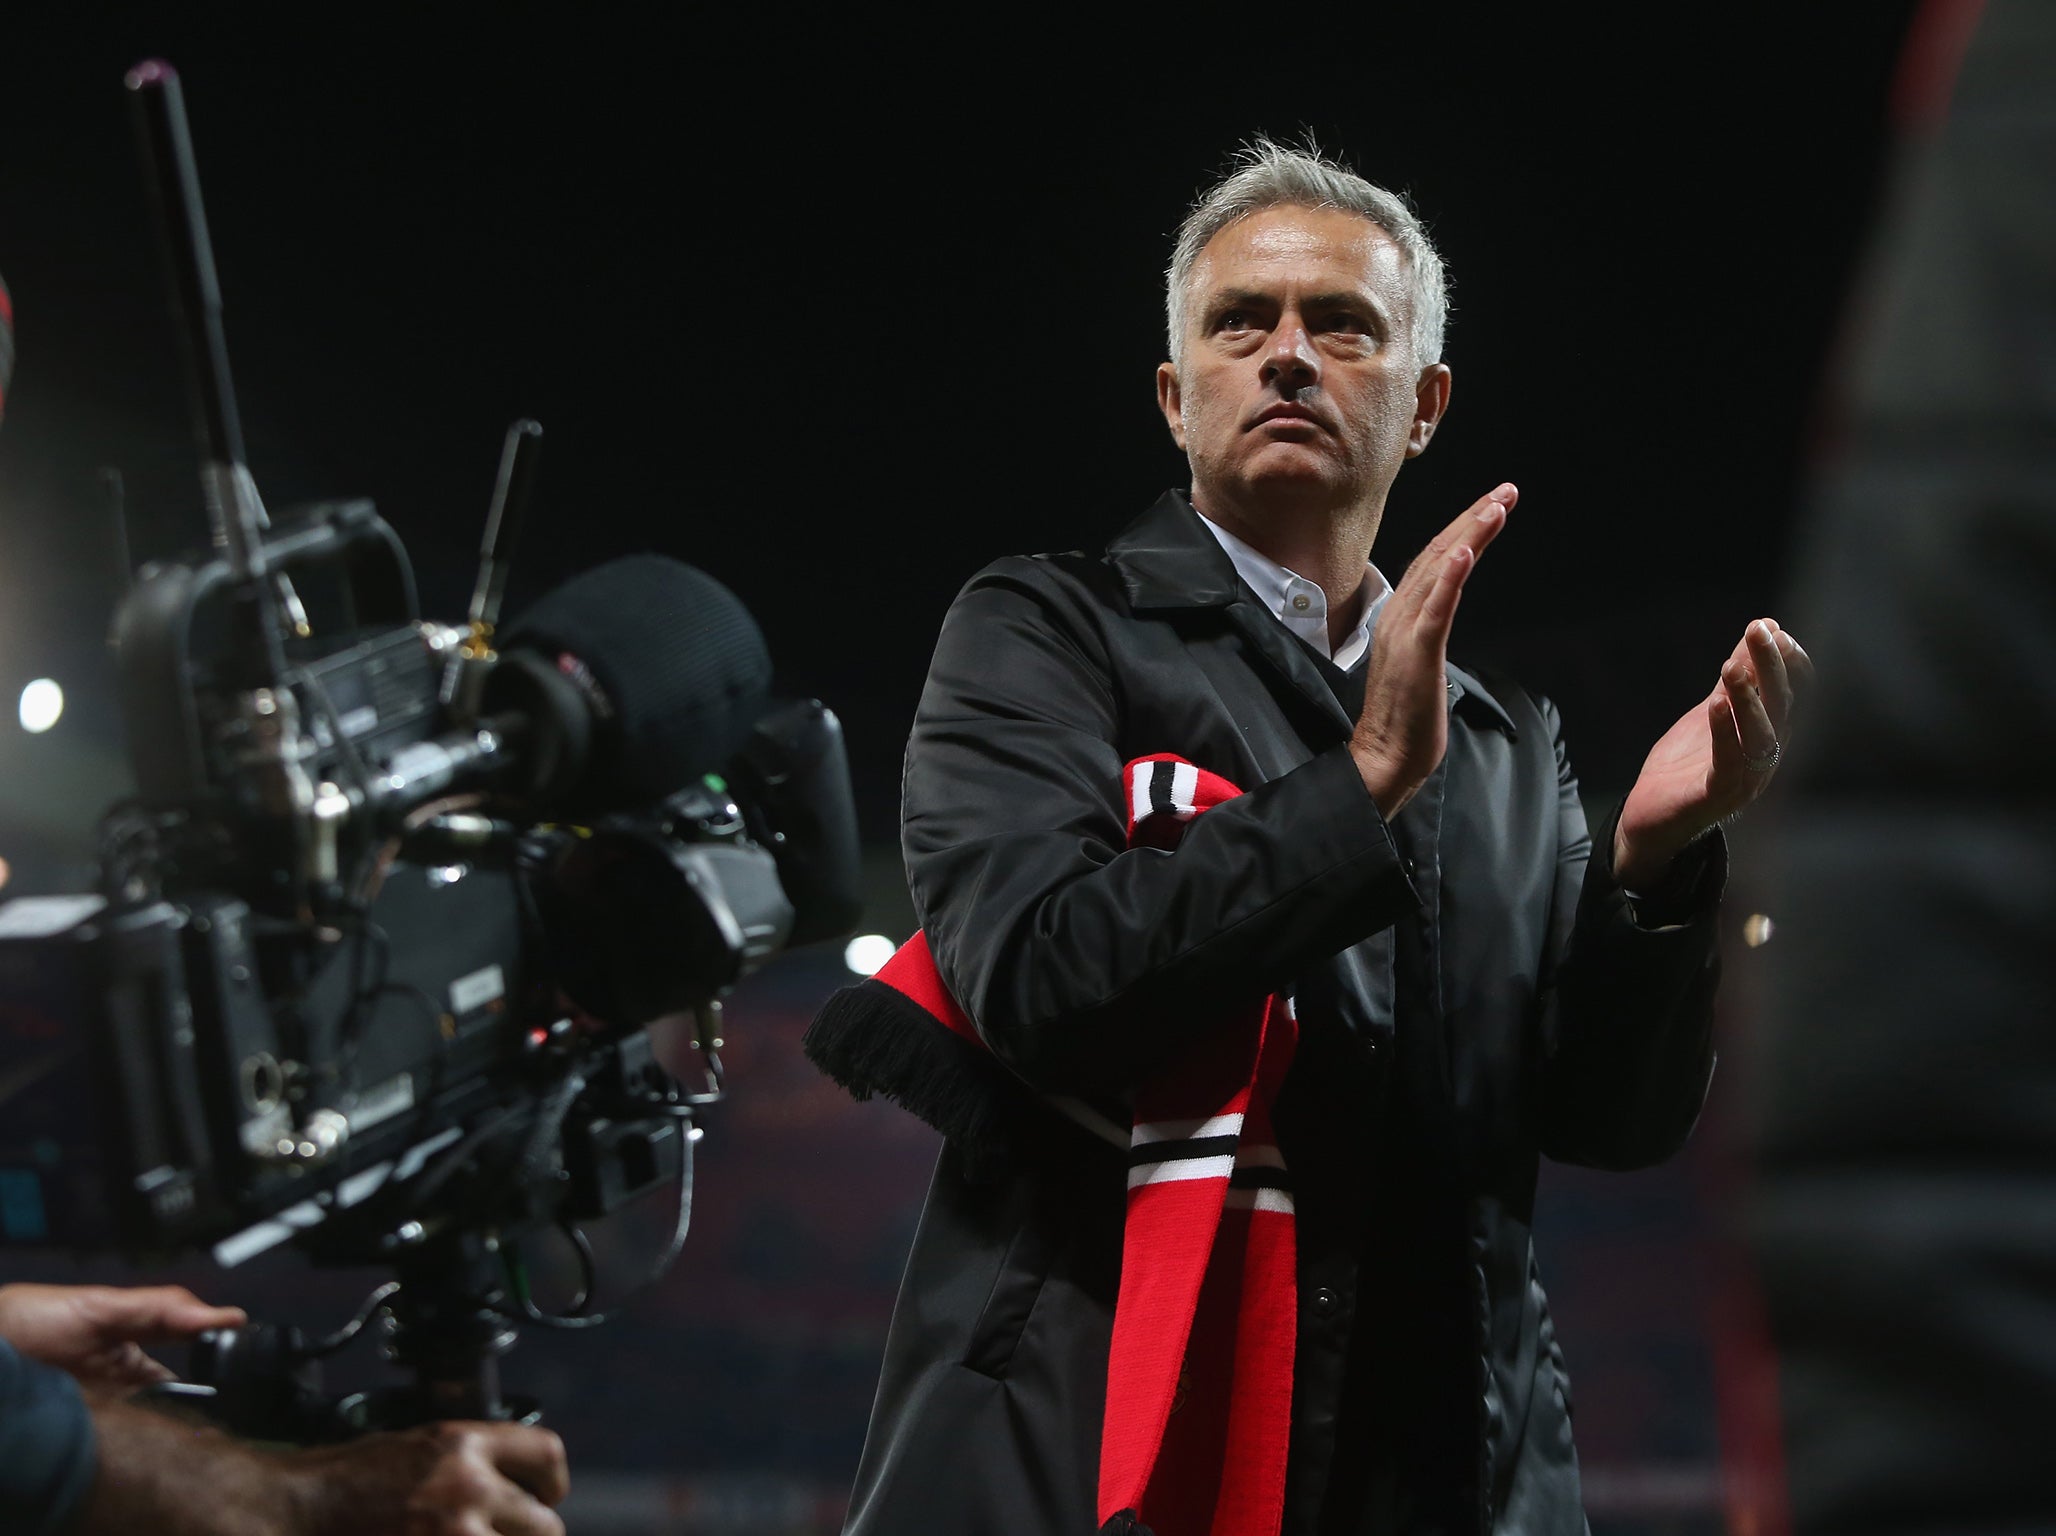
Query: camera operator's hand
440,1480
175,1477
97,1332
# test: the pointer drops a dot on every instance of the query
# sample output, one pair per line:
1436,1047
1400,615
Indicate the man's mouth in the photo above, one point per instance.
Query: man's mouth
1286,411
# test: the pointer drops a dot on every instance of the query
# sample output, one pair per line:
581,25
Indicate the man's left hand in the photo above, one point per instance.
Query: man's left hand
97,1332
1719,757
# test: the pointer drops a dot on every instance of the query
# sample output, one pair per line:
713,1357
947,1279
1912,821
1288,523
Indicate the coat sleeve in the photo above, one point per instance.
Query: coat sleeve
1627,1009
1083,962
47,1449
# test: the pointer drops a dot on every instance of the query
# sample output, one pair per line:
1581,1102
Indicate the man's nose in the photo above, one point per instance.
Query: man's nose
1290,361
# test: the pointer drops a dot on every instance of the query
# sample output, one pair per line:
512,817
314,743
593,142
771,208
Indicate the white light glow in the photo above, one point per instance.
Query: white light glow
42,702
867,952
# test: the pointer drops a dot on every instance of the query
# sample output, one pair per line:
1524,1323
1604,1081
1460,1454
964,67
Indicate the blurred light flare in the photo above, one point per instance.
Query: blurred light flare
42,705
867,953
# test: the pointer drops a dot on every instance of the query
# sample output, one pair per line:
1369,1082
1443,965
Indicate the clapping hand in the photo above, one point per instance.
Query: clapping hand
1404,727
1719,756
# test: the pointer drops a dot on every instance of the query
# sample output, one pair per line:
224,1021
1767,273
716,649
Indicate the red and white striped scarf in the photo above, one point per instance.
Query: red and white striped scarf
1199,1368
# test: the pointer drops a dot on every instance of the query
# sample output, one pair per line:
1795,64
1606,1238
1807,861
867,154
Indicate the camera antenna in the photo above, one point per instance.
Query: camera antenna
512,492
277,751
114,499
503,521
234,510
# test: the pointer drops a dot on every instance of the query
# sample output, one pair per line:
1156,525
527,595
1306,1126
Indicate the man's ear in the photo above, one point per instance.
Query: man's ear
1171,402
1431,399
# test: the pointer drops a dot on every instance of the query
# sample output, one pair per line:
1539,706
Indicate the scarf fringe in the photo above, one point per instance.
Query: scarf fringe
873,1040
1124,1523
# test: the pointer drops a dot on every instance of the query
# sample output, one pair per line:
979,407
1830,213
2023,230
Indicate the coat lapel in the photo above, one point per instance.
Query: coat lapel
1295,676
1168,561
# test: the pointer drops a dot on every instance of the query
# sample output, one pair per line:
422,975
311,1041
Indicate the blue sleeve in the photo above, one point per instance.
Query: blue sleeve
46,1447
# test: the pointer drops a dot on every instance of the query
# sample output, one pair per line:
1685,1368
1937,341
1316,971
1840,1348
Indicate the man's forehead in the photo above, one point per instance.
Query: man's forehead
1280,239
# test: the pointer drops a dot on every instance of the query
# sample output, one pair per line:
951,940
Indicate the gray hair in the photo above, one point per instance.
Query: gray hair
1272,175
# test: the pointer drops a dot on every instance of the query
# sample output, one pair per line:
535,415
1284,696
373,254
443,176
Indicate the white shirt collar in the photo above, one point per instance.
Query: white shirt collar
1300,605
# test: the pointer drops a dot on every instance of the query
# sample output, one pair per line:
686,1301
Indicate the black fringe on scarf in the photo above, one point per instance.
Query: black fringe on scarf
875,1040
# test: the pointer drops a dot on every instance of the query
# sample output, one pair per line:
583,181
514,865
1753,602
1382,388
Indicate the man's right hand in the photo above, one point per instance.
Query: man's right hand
454,1479
1404,728
177,1478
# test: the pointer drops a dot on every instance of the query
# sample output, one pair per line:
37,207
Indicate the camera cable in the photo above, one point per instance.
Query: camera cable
528,1312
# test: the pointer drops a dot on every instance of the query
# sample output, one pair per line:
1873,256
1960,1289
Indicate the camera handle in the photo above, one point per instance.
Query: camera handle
447,1326
443,1322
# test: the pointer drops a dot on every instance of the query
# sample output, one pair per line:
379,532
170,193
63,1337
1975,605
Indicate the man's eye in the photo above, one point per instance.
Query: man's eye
1233,320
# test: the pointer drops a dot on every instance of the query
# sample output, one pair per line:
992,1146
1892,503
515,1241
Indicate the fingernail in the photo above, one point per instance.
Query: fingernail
1762,628
1491,512
1506,492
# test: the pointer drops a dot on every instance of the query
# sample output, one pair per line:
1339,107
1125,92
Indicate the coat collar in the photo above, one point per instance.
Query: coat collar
1167,560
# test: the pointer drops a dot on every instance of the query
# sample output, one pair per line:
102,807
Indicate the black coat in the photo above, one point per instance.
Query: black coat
1469,1001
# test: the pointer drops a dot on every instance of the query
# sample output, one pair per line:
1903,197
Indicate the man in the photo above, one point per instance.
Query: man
75,1457
1474,985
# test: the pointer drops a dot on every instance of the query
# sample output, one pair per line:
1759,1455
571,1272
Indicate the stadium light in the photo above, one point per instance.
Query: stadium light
42,703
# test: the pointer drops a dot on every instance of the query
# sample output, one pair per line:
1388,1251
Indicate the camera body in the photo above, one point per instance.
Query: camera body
379,938
166,1108
336,933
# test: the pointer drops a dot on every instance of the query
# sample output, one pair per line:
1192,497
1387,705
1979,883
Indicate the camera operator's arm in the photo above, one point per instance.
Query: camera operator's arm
46,1446
176,1478
97,1332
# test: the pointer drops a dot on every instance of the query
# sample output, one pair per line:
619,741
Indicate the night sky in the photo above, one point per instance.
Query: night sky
840,314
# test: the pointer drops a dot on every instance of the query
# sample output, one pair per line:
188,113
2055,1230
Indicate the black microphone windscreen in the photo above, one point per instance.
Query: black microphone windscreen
674,667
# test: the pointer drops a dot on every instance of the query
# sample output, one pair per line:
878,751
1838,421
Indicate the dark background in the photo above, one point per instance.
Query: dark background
839,312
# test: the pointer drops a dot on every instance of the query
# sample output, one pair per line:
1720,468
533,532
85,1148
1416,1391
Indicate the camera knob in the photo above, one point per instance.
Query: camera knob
315,1142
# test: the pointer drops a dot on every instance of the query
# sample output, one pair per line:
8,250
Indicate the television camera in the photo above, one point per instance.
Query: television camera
379,937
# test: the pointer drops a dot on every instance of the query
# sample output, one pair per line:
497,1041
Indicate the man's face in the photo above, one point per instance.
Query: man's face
1299,384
